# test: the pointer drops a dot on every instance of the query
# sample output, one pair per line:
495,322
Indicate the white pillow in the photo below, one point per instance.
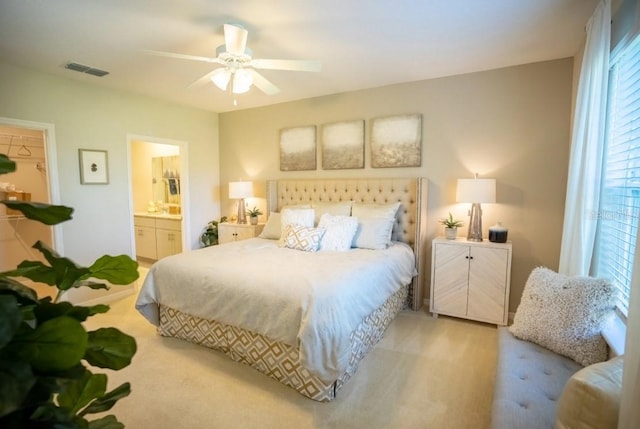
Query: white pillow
374,233
337,209
304,217
367,211
339,232
591,397
376,224
272,230
300,237
565,314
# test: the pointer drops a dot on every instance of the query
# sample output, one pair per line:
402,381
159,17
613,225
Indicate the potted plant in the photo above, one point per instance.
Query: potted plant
210,235
48,358
253,215
451,226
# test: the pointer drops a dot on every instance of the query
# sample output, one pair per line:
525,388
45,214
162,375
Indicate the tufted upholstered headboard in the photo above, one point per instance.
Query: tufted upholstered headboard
410,226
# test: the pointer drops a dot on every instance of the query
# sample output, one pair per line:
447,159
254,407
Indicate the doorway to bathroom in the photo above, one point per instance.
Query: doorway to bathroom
158,172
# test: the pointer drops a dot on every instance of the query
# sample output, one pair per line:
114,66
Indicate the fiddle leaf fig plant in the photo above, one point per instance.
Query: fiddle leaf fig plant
210,235
47,356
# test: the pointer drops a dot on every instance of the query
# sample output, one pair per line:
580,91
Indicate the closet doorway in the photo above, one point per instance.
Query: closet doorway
27,144
158,170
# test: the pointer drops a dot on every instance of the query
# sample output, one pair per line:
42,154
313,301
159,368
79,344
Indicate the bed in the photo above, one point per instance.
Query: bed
331,307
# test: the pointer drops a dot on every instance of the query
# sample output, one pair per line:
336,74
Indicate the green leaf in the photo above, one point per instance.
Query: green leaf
56,345
10,318
107,422
33,270
91,284
110,348
43,213
119,270
107,401
23,294
48,310
78,394
16,379
67,272
6,165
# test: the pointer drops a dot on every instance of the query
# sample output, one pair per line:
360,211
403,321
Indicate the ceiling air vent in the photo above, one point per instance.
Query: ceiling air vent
85,69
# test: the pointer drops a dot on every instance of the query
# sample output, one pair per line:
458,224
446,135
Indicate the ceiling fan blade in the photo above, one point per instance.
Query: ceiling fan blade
293,65
262,83
184,56
206,79
235,39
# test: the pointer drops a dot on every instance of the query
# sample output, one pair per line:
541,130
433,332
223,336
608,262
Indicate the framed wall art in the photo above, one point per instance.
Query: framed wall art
343,145
94,168
298,148
396,141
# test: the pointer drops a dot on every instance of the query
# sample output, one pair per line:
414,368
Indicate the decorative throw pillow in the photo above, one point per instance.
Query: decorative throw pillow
565,314
272,230
342,208
374,233
591,397
300,237
304,217
339,232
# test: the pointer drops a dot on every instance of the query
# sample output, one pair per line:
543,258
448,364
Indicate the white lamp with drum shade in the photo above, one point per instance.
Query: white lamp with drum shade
240,191
476,191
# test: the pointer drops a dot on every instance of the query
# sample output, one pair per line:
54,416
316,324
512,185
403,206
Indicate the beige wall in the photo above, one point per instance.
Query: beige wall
512,124
89,116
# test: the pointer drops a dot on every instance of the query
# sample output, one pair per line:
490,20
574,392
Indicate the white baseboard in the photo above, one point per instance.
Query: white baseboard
106,299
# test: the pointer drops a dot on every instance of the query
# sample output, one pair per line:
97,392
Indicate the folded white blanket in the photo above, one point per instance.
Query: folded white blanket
310,300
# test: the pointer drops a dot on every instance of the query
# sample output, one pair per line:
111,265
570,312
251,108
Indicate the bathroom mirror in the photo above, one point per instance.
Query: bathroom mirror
166,179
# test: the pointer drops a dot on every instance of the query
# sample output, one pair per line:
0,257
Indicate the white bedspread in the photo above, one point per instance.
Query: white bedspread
310,300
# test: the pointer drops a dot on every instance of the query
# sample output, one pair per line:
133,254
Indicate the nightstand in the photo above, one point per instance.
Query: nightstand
237,231
471,279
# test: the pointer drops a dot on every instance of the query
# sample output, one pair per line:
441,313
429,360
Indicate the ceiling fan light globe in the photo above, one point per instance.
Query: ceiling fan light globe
221,78
242,81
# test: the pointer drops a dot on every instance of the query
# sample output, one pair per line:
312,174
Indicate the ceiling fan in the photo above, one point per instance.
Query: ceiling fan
239,65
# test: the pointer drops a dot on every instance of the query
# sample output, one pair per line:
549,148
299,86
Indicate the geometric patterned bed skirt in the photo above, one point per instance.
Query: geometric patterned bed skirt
274,358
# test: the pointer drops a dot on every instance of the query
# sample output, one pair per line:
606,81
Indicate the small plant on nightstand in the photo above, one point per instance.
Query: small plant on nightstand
253,215
451,226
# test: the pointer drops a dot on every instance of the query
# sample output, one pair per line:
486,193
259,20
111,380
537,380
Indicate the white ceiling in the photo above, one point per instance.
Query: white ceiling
361,43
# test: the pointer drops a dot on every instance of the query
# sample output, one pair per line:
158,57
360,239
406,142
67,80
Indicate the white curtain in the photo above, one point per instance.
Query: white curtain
629,410
629,417
587,147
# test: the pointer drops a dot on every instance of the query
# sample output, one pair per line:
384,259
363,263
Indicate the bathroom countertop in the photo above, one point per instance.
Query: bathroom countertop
159,215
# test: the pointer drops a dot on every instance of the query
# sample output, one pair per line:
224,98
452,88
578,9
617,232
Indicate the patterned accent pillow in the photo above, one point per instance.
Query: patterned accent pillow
300,237
339,232
565,314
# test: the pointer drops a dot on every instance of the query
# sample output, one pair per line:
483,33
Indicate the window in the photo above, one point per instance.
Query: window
620,198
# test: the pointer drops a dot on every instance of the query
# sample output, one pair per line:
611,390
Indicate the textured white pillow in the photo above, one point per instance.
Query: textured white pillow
374,233
591,397
342,208
304,217
339,232
272,230
565,314
300,237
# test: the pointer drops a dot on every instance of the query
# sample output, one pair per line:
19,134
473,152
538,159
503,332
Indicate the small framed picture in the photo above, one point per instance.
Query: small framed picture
93,167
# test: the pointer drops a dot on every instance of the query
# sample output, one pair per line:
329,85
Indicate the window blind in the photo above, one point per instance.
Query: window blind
620,197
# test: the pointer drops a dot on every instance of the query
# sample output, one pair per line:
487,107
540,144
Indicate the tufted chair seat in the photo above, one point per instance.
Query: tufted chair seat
529,381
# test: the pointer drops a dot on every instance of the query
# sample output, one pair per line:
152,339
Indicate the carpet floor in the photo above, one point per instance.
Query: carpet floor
425,373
